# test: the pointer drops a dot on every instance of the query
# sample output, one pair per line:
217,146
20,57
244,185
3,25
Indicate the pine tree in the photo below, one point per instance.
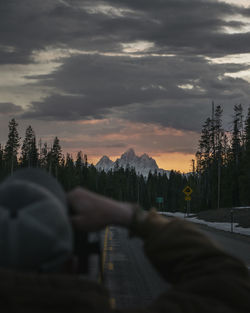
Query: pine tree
85,160
217,162
244,180
1,163
69,179
219,132
79,160
55,156
1,157
247,134
205,147
205,153
209,159
237,136
78,168
212,132
43,160
12,146
29,153
237,147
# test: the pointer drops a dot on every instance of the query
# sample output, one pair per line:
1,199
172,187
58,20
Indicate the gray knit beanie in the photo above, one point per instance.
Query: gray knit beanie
35,231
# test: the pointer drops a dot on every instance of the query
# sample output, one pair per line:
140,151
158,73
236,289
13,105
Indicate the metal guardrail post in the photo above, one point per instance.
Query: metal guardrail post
232,220
232,214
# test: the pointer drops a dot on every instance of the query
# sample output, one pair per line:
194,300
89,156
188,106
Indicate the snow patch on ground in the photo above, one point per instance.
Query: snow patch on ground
221,226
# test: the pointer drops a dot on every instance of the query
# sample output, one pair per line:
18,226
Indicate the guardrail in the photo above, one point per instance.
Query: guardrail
232,211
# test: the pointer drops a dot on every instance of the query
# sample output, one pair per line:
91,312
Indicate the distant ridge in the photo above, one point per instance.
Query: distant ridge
142,164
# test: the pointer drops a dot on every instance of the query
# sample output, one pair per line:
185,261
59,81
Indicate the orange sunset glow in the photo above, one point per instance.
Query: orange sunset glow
176,161
169,161
118,135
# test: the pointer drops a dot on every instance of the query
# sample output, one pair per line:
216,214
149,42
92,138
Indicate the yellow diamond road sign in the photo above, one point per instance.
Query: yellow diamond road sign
187,190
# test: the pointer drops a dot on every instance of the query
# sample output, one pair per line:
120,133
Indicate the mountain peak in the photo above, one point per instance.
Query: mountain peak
104,163
129,153
105,158
145,156
142,164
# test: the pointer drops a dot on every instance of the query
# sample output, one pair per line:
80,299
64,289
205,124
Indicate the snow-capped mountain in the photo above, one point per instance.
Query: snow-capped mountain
105,164
142,164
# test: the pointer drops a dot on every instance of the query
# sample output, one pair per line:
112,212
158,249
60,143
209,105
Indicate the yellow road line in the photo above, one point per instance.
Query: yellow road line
110,266
112,303
105,248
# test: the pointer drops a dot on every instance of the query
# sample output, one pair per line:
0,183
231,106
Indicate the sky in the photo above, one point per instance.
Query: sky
106,76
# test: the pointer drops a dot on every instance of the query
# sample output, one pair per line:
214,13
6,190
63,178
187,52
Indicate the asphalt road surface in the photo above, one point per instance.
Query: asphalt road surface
129,276
235,244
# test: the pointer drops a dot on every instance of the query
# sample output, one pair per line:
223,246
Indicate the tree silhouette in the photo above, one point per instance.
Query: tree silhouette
29,152
11,147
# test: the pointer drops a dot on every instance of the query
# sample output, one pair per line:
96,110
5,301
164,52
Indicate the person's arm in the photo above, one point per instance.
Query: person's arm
203,277
92,212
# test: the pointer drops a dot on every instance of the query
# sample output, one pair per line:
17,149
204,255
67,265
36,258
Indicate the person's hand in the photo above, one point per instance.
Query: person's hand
92,212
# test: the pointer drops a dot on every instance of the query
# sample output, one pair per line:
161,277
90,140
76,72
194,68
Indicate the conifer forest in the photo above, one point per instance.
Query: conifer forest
219,178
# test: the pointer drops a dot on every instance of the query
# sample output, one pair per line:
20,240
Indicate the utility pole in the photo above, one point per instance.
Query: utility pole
213,141
193,166
138,191
12,165
219,174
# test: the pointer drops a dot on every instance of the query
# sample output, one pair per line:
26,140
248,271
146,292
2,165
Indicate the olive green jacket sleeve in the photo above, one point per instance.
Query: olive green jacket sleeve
204,278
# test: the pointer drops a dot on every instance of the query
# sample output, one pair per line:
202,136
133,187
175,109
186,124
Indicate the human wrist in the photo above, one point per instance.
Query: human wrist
138,218
122,214
129,215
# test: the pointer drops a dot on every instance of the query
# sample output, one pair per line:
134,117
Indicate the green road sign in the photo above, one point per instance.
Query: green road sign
159,200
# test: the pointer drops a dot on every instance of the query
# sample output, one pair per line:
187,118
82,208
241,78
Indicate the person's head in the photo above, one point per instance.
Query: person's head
35,230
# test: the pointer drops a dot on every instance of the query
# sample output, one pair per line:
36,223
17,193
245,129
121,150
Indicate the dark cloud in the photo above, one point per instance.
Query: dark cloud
153,89
9,108
185,116
93,144
171,91
183,26
14,57
177,26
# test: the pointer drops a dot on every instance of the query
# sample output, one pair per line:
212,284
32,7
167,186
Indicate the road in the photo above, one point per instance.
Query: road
129,276
235,244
